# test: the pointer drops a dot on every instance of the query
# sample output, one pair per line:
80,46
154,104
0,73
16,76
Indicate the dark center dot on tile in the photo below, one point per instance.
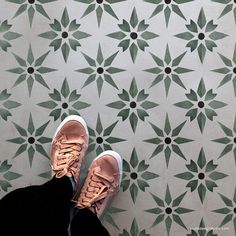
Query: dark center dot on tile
168,140
64,35
31,140
99,1
133,104
235,210
100,70
64,105
235,140
201,104
30,70
168,210
31,1
201,36
99,140
133,175
234,69
201,175
167,1
133,35
167,70
234,1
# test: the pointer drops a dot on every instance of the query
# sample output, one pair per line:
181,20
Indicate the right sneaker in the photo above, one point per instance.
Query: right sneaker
68,147
101,184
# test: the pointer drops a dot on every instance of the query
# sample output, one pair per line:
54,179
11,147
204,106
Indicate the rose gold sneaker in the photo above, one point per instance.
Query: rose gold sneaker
102,183
68,148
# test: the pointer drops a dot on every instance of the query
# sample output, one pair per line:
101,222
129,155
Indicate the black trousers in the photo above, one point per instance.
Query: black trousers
46,210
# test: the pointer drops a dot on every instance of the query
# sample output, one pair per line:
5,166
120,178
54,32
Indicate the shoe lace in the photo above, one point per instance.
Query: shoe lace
68,157
99,186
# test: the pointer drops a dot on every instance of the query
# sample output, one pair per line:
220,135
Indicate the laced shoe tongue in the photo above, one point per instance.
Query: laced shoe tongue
73,139
98,182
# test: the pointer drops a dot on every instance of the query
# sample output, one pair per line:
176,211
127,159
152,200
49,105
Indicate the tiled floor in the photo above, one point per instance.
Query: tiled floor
154,80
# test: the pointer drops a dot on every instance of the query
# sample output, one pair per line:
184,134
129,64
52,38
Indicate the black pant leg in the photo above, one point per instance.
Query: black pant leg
86,223
37,210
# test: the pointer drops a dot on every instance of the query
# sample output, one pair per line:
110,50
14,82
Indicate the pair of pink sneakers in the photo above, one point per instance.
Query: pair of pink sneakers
102,182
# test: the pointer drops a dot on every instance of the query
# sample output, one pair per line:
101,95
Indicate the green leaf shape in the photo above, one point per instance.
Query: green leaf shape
210,166
210,185
9,104
201,119
192,166
216,104
226,219
201,161
217,35
11,175
133,51
192,27
124,44
48,104
134,230
176,202
149,175
133,192
217,175
185,175
65,89
5,166
134,159
5,185
201,52
134,18
168,198
201,19
201,192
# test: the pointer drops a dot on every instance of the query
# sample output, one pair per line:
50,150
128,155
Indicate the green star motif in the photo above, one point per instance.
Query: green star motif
100,6
6,35
108,217
168,6
6,175
168,140
228,71
31,7
31,70
136,175
201,35
133,35
134,230
100,70
229,210
169,210
100,139
202,230
201,105
168,70
65,35
229,7
133,105
229,140
64,103
201,175
31,139
6,104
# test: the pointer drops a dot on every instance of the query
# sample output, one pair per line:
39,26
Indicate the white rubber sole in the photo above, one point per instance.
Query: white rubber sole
69,118
118,159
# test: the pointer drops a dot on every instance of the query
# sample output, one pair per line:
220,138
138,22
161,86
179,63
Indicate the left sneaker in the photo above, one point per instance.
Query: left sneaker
68,148
101,184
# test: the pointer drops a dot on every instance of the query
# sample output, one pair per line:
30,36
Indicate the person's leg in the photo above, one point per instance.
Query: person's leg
45,210
37,210
85,222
